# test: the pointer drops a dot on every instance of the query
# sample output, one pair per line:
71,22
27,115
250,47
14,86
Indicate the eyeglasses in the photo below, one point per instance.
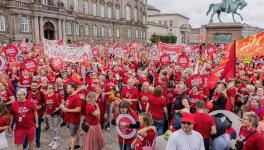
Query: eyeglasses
188,123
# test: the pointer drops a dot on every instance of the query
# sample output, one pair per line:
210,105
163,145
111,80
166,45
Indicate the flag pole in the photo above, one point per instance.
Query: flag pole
235,59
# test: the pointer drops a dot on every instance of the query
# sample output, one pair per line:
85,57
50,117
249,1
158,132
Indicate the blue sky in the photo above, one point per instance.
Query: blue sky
196,10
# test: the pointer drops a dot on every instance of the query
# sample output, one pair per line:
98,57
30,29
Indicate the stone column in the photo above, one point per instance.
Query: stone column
41,28
63,30
36,23
60,28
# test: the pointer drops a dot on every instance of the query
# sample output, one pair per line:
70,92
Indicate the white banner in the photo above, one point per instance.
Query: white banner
65,52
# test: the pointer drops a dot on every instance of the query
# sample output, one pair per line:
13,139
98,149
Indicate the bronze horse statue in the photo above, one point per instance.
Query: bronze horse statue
233,7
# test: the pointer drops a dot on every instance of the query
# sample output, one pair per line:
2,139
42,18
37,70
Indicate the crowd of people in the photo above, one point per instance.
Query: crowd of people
89,97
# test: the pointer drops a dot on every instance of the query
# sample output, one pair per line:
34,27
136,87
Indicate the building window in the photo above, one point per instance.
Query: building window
94,9
75,5
109,12
136,34
68,28
86,30
160,22
144,34
136,14
24,24
85,7
77,29
165,23
110,32
171,23
128,13
141,34
117,14
45,2
2,23
65,4
103,31
129,33
102,10
117,33
95,33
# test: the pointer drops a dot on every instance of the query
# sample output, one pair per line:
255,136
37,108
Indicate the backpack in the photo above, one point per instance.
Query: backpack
222,123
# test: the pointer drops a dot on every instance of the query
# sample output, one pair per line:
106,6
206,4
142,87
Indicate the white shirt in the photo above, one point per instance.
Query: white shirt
181,141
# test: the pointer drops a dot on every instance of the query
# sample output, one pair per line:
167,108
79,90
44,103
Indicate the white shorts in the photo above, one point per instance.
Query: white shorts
3,141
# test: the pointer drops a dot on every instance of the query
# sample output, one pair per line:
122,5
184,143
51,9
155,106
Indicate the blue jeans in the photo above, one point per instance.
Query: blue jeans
126,146
38,133
159,124
221,143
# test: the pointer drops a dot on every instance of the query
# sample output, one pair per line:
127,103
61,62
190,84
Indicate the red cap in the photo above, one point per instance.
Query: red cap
187,117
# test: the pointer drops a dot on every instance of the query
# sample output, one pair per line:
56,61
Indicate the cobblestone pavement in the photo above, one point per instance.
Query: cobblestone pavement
110,140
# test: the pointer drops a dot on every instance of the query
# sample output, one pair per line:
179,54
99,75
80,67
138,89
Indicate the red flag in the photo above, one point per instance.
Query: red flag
229,70
225,69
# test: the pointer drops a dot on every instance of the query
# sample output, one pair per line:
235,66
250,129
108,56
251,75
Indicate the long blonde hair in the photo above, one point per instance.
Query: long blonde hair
92,97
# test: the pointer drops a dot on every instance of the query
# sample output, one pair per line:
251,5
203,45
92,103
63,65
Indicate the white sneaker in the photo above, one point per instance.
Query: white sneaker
55,145
52,143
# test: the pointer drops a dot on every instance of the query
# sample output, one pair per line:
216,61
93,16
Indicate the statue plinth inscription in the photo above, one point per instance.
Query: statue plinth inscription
223,32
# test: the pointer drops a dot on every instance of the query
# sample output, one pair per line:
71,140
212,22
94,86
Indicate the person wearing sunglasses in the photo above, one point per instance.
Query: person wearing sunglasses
186,138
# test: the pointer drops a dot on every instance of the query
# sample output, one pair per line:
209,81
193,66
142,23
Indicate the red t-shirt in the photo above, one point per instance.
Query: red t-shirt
143,99
254,142
52,102
195,98
130,94
24,114
203,124
37,100
73,102
5,97
147,140
25,81
156,105
90,118
4,121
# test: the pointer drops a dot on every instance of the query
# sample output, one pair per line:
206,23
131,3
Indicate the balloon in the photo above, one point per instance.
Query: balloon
209,105
111,97
76,78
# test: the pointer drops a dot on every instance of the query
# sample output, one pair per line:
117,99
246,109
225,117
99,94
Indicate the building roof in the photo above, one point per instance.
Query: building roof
151,7
166,14
156,24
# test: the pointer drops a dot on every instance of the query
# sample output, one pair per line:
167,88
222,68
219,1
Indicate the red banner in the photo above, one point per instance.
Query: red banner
170,49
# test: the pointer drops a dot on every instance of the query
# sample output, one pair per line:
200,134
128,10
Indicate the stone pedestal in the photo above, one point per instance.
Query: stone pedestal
223,32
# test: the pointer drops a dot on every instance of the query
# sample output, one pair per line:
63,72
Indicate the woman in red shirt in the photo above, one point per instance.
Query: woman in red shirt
124,108
6,95
4,125
144,96
158,109
195,95
130,94
146,134
93,139
248,130
52,114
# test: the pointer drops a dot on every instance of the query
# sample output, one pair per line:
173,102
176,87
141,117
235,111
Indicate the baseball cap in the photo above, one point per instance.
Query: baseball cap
187,117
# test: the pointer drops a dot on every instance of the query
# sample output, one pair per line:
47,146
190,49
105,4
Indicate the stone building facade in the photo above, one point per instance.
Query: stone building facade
176,24
73,20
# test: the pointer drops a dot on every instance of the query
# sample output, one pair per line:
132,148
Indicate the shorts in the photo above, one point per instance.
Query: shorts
20,134
73,129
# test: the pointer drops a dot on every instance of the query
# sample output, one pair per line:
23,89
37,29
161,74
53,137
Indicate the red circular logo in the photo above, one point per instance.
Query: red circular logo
197,80
10,50
165,59
183,60
122,129
57,63
30,65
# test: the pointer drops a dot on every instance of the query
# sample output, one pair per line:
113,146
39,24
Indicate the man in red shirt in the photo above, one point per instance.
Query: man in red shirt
25,114
204,123
72,112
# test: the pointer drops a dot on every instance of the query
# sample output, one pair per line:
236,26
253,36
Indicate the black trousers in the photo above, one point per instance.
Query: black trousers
207,144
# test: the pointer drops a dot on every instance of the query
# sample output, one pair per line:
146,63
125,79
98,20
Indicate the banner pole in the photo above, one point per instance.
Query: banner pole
235,59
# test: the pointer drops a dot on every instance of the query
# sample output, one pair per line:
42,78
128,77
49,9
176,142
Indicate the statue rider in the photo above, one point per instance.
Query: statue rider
226,5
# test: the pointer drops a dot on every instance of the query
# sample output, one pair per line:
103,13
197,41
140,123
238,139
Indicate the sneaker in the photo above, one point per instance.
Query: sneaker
77,147
52,143
55,145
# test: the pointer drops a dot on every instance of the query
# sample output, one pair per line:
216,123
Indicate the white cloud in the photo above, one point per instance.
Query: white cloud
253,13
